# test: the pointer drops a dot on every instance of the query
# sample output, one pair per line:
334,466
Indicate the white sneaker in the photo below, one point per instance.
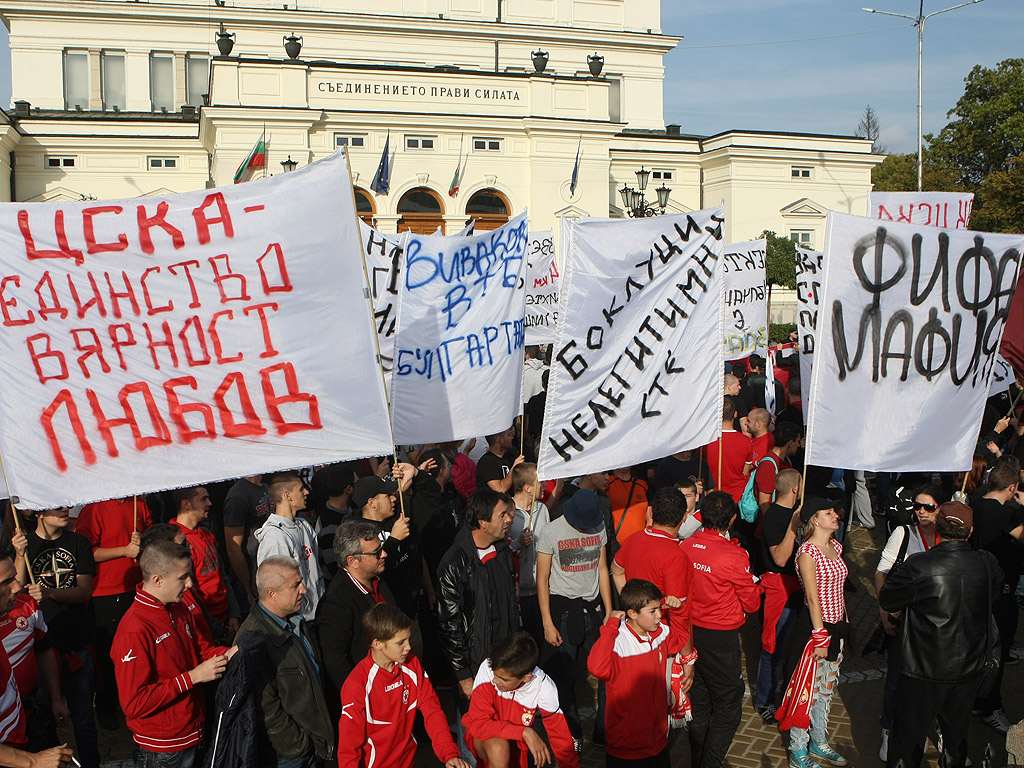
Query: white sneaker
883,751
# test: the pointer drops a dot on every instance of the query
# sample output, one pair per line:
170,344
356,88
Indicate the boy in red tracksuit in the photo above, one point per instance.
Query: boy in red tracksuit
508,690
160,658
631,656
380,697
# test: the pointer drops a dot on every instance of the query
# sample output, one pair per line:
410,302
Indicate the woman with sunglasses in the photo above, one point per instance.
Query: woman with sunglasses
905,541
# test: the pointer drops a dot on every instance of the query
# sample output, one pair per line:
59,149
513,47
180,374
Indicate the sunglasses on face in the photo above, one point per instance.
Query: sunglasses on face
926,507
373,552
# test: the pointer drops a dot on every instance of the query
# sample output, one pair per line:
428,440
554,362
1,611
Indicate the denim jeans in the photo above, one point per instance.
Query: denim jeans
145,759
79,687
826,678
461,708
309,761
769,668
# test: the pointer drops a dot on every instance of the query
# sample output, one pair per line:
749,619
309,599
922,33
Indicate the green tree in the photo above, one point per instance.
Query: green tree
780,260
988,129
898,173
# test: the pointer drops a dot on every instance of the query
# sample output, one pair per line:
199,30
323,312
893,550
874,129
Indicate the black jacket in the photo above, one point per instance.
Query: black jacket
945,595
476,603
339,626
435,518
294,721
233,742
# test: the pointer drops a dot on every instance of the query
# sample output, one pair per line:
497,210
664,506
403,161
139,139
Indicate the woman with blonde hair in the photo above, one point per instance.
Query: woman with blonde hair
822,573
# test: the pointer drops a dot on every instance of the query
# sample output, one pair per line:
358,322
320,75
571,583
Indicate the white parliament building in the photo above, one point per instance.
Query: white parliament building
122,98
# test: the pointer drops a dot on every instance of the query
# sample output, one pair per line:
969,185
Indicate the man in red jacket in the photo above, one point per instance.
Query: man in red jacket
721,593
160,658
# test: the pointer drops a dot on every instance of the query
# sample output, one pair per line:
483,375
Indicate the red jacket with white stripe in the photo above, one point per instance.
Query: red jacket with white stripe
635,670
377,712
496,714
155,647
20,630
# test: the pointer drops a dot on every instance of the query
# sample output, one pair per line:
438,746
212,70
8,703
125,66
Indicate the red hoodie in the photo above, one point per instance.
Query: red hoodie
155,647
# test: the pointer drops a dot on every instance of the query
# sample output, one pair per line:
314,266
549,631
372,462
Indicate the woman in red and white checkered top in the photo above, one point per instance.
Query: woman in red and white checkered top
822,573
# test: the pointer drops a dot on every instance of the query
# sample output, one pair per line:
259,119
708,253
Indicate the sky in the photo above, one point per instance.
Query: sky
719,78
812,66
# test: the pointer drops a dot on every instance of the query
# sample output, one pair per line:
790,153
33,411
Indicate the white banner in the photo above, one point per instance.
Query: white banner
384,257
808,287
637,370
459,344
946,210
746,299
166,341
541,288
907,337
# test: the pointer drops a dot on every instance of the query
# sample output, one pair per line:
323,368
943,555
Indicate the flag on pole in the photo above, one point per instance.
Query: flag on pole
453,188
769,382
382,178
576,169
257,158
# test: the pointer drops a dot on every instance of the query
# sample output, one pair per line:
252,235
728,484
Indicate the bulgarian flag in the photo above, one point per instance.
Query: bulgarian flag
257,158
453,188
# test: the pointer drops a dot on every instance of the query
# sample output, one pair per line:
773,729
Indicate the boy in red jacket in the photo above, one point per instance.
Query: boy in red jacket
631,656
508,690
380,697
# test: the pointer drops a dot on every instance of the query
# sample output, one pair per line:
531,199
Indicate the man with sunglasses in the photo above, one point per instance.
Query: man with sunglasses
352,593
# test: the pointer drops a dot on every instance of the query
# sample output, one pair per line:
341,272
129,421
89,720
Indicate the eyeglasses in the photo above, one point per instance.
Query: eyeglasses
373,552
927,507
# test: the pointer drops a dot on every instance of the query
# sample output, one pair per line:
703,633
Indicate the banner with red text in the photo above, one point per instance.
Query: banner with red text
459,344
541,288
907,335
638,356
946,210
166,341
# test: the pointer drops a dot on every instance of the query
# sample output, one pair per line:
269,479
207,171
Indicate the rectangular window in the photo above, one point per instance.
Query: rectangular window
112,77
76,79
161,82
349,140
60,162
419,142
163,162
800,173
662,175
197,79
802,237
483,144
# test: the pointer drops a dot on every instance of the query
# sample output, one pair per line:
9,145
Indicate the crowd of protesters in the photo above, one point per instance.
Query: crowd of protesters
304,618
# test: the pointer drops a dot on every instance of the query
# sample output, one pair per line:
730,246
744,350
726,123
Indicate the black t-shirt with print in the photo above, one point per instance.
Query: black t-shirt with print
58,564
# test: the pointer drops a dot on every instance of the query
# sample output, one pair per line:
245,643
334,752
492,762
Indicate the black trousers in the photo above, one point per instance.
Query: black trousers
1006,613
110,609
919,703
716,695
660,760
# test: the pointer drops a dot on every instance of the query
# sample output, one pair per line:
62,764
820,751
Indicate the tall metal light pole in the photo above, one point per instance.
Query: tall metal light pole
919,21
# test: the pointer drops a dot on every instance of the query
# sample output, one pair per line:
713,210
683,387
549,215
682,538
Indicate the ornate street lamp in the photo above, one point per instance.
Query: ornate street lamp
634,201
287,166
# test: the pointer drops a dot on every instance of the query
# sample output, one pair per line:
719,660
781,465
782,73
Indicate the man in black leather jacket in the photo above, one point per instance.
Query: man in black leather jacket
476,592
946,637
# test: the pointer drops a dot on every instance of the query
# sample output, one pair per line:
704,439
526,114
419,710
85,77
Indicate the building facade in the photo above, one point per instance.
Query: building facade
115,99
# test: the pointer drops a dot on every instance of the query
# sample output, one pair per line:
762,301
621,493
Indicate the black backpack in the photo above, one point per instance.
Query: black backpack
899,508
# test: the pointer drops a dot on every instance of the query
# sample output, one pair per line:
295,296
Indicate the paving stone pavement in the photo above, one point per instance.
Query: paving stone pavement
854,729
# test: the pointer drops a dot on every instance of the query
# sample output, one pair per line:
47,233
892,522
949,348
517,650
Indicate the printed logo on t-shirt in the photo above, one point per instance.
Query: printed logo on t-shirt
56,569
579,554
307,552
528,717
21,623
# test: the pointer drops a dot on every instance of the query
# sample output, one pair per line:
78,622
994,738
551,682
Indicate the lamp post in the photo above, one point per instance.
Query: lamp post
919,21
635,201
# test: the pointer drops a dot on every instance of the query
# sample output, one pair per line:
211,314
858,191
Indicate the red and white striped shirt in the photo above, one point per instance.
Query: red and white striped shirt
830,574
12,715
20,629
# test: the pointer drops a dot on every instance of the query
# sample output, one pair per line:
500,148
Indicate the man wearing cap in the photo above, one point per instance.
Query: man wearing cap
575,595
375,501
946,597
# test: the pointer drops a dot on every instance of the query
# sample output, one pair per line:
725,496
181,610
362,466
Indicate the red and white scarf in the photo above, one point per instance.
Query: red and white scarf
795,711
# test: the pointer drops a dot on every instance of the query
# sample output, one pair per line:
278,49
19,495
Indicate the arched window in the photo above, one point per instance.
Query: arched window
365,208
488,208
421,211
